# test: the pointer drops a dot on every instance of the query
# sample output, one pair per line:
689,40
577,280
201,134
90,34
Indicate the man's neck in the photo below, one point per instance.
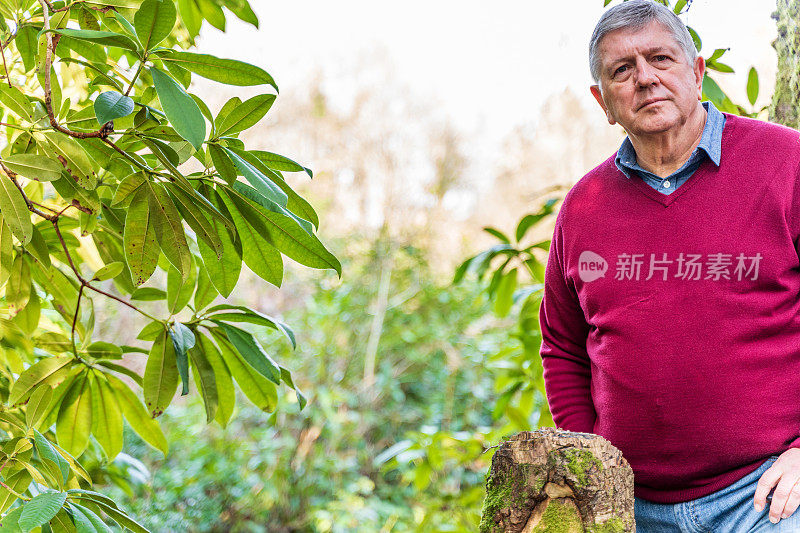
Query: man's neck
664,153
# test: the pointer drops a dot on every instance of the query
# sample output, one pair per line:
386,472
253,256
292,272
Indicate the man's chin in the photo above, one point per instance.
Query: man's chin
654,125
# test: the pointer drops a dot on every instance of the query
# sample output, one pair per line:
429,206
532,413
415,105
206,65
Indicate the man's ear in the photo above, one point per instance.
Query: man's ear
595,90
699,72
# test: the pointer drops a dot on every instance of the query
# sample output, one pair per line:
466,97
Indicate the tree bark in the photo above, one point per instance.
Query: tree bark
785,106
557,481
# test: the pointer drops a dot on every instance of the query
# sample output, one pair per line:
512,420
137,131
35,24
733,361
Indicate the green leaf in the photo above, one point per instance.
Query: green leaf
287,378
179,290
111,104
40,509
148,294
139,241
160,376
154,22
37,405
15,211
182,341
16,102
180,108
105,38
752,86
222,163
202,227
77,161
246,115
226,396
695,38
104,350
86,520
50,457
35,167
44,371
279,162
109,271
505,292
127,188
258,389
286,235
74,423
136,415
253,353
258,254
227,71
258,180
206,381
250,316
498,234
679,5
169,229
107,417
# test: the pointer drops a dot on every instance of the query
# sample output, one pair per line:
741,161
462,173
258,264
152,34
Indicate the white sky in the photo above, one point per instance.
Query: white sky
487,66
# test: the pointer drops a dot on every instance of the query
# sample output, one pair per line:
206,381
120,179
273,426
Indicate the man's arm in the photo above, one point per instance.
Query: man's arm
567,374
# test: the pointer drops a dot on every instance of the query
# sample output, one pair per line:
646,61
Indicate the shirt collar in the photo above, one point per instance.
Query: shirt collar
710,141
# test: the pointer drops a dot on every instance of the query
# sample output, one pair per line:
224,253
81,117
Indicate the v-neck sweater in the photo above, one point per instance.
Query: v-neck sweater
671,323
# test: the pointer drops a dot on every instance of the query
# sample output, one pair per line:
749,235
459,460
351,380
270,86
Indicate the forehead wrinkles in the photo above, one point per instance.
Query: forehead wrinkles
624,44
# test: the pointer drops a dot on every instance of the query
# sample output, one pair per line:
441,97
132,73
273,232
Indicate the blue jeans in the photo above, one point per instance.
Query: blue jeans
729,510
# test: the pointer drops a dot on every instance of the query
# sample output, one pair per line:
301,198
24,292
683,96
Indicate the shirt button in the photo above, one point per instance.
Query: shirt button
666,184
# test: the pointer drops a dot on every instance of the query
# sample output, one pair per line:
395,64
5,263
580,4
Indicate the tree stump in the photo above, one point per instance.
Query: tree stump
557,481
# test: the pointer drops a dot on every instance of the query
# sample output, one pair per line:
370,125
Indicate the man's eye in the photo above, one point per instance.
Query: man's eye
661,56
620,69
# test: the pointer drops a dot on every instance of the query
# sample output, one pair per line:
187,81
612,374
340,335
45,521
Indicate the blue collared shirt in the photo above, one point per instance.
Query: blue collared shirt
710,146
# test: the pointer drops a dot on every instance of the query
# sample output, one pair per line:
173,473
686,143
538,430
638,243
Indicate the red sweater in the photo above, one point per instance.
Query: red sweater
671,323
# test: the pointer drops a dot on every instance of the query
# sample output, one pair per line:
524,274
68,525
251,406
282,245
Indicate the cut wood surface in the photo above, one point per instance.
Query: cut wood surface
557,481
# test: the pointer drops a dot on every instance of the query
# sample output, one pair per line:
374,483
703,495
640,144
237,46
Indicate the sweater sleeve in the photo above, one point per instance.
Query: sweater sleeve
567,371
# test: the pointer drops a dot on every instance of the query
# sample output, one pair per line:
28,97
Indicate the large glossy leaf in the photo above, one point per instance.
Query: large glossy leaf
227,71
15,211
253,353
160,375
107,417
258,389
15,101
179,289
258,180
180,108
44,371
169,229
246,115
286,234
40,509
205,379
223,268
110,105
141,249
182,341
74,423
258,254
35,167
106,38
154,21
226,396
77,162
136,415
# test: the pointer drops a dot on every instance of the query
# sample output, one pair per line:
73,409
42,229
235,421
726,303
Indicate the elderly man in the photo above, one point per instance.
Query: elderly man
671,311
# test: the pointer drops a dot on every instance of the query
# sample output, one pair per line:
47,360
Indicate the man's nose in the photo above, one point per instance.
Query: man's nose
645,74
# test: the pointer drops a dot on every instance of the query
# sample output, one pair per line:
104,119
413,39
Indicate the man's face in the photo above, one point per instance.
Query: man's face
644,66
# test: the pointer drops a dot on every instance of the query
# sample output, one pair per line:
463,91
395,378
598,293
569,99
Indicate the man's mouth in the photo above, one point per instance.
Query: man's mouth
653,101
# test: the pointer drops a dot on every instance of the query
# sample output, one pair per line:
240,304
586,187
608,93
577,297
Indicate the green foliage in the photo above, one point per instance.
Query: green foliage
94,200
337,465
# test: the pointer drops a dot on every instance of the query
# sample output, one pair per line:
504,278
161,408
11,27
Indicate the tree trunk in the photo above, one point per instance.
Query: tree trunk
785,107
557,481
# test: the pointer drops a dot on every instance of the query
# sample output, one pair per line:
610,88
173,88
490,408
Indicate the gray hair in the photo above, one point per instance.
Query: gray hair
634,15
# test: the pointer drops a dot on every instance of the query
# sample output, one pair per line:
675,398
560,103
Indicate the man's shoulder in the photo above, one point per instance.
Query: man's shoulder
777,135
593,184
